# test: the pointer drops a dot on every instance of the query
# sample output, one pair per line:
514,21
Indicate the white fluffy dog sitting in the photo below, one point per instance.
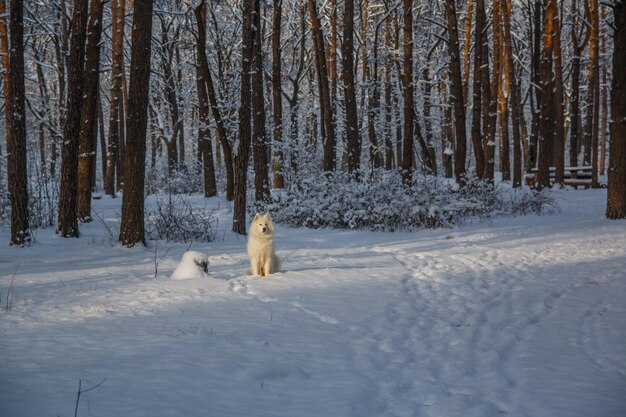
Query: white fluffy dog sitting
263,260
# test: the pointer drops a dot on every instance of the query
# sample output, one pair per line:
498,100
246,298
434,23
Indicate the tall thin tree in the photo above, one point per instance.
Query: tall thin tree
353,138
220,128
407,92
116,116
456,92
89,116
546,126
477,132
243,154
132,223
15,112
328,127
68,224
513,91
204,139
616,194
277,97
259,136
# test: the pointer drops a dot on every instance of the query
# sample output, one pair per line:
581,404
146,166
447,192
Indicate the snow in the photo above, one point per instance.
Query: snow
193,265
522,316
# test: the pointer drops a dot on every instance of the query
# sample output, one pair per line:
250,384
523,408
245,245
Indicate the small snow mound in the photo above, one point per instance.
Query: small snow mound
192,265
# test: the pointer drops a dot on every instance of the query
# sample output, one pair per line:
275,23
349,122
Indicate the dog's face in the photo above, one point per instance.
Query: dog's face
263,224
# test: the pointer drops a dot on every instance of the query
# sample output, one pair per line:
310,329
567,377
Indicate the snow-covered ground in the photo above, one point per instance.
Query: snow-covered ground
521,316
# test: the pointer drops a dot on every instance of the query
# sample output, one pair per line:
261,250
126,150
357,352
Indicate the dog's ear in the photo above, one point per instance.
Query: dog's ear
268,217
256,216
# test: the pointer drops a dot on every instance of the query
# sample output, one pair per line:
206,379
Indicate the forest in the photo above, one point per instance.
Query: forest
245,98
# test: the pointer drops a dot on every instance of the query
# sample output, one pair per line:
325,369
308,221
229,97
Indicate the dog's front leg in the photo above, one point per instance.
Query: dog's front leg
267,267
254,268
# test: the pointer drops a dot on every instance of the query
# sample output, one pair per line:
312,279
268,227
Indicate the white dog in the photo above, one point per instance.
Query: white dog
263,260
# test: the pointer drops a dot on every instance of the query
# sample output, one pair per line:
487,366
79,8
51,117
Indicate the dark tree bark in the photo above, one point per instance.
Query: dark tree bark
577,50
489,101
477,132
132,223
259,135
594,85
389,156
457,93
243,155
546,127
222,137
590,125
167,60
279,154
89,115
116,114
514,93
559,103
15,112
407,93
353,138
68,224
535,97
616,194
328,128
204,139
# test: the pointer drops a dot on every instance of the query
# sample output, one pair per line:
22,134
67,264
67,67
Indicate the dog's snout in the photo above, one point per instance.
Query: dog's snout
264,229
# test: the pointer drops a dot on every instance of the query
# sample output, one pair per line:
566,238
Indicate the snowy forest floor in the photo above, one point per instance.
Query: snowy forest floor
521,316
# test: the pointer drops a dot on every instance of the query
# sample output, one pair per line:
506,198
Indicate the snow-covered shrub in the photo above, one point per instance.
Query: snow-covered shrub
525,201
383,202
175,218
192,265
188,180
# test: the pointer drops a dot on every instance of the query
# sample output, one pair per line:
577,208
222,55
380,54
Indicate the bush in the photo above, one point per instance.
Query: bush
382,202
176,219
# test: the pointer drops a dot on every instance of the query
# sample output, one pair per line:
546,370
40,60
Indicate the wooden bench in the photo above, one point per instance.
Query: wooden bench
574,176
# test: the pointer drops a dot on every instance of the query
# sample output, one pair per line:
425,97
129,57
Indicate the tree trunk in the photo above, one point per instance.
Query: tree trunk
616,194
15,112
243,155
132,223
222,137
328,129
591,123
116,114
334,72
513,91
605,105
103,144
546,138
467,46
89,115
68,225
457,93
594,83
575,91
535,99
488,102
352,120
204,141
559,103
277,98
259,136
389,159
477,131
407,93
